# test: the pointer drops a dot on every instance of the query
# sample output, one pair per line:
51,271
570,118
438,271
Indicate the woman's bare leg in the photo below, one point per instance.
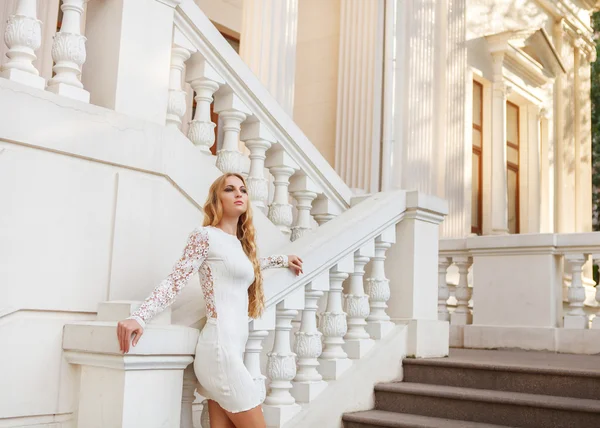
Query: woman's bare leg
252,418
218,416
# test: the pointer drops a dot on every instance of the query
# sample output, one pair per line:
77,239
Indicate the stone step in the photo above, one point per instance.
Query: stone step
487,406
381,418
506,374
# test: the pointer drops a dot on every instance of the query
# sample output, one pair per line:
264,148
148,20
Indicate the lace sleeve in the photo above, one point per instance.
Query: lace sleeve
273,262
164,294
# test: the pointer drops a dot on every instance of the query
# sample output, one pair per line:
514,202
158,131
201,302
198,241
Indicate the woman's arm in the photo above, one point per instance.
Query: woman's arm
273,262
164,294
292,262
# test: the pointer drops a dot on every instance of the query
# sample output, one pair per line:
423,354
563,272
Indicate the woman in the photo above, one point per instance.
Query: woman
224,252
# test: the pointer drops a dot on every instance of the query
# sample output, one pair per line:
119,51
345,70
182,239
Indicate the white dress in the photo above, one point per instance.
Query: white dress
225,275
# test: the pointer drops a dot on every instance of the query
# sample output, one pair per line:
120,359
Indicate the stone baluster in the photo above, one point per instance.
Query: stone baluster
279,404
324,210
334,361
358,341
258,140
576,317
462,314
68,53
232,112
252,359
304,190
596,320
188,397
378,287
177,104
443,290
205,416
205,81
282,167
23,36
308,382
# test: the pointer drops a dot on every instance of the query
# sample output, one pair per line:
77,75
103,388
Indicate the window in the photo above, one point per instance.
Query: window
476,197
512,165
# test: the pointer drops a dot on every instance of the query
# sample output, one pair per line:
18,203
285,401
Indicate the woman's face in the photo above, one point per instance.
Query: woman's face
234,197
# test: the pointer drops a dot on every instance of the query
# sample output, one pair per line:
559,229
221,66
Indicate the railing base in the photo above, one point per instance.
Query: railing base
24,78
307,392
356,349
333,369
379,329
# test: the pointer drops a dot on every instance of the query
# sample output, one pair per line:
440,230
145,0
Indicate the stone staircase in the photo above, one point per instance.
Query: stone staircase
486,389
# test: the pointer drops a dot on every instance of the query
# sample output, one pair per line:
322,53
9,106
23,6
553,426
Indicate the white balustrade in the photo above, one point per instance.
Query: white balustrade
443,290
279,404
205,81
334,361
177,104
23,36
252,359
258,140
575,317
462,314
68,53
282,167
308,382
358,341
232,112
378,287
304,190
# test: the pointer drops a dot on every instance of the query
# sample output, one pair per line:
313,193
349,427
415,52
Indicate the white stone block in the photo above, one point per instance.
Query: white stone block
357,349
379,329
333,369
576,322
70,91
24,78
305,392
277,416
427,338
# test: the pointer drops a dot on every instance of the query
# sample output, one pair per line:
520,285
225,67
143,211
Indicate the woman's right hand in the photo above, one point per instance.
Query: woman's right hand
125,330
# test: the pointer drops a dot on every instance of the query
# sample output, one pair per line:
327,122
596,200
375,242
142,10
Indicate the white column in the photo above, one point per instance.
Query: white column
282,167
333,360
462,314
443,290
252,359
127,68
499,188
280,405
23,36
411,266
575,317
533,170
205,81
232,112
418,158
458,134
304,190
268,45
177,97
360,80
188,397
358,341
68,53
308,382
258,140
378,287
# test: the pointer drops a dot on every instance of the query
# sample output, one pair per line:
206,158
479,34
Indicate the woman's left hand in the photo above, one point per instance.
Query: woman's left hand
295,264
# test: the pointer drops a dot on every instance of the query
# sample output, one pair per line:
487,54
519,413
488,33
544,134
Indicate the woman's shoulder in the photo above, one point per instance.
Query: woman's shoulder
200,235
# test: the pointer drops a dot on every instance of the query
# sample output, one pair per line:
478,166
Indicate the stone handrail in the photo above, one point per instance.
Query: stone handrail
516,281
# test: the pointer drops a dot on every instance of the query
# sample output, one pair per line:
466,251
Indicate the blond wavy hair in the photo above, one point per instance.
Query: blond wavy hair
213,213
